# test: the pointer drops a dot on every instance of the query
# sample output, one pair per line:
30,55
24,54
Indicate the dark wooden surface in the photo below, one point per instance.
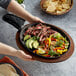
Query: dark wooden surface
60,59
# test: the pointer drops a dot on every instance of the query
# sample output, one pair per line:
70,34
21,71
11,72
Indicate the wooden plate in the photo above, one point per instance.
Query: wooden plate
41,5
60,59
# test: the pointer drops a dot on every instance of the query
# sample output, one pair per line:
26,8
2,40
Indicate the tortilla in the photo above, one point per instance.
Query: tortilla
7,70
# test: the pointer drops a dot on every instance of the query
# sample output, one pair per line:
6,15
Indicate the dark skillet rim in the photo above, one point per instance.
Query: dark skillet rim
52,26
16,68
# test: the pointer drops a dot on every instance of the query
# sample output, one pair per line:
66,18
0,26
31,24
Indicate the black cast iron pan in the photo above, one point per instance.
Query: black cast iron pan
22,30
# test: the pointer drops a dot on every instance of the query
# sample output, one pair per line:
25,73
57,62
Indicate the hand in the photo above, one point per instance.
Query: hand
34,19
8,50
20,54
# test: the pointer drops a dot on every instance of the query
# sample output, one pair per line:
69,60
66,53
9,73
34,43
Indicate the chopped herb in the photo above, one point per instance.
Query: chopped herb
20,1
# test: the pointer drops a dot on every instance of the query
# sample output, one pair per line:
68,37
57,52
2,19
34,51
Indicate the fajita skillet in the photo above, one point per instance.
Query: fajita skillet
22,29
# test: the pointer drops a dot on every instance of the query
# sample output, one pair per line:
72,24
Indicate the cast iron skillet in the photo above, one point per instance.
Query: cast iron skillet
22,30
17,69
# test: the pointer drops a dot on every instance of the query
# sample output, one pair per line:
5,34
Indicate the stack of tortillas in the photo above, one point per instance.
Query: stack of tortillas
7,70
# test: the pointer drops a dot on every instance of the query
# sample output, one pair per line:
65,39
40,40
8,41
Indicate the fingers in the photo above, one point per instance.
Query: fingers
28,59
39,20
36,20
24,56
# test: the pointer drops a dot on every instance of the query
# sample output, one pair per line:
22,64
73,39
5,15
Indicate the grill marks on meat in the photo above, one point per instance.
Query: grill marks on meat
41,31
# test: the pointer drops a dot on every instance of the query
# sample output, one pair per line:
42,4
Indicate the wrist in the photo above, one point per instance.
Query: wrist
7,50
11,52
30,18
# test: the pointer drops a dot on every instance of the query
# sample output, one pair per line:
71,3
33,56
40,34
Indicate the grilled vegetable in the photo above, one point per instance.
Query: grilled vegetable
27,37
35,44
57,35
31,44
59,43
40,51
61,51
27,43
35,38
52,53
49,40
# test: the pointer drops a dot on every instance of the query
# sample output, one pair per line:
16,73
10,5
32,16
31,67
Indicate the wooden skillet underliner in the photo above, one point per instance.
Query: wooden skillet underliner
60,59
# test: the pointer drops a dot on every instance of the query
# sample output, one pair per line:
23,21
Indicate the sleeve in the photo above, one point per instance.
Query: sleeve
4,3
